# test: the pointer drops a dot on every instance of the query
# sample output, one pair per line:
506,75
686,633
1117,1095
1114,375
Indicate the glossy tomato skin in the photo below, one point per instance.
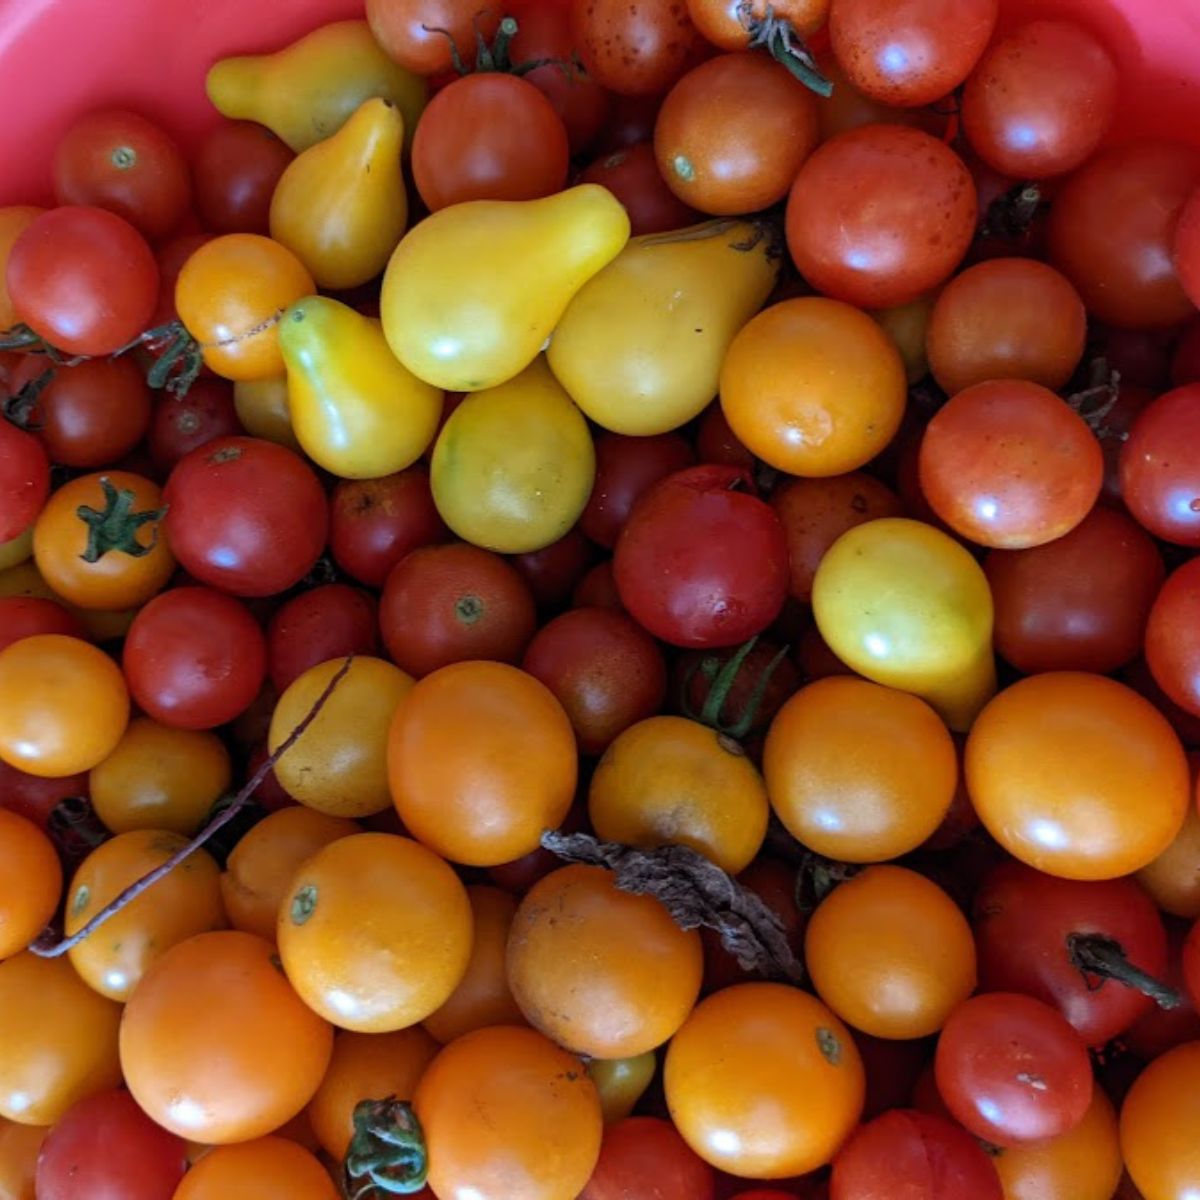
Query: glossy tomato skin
194,658
1159,467
182,424
1173,637
413,32
106,1148
631,173
701,562
236,169
24,480
726,23
1157,1123
637,49
323,623
84,279
639,1149
245,515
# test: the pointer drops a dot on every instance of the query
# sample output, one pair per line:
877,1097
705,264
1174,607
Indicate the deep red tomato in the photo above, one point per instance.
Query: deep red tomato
118,160
1111,229
445,604
106,1148
645,1156
1079,603
631,173
702,562
630,121
1173,637
245,515
1185,361
171,256
89,415
1187,247
194,658
24,480
1118,421
83,279
881,214
598,589
1011,1069
1141,356
182,424
26,616
422,35
553,571
1029,929
717,443
766,678
606,671
625,468
374,523
1191,963
269,793
904,1152
35,797
323,623
635,47
892,1067
489,137
236,169
1160,467
1186,725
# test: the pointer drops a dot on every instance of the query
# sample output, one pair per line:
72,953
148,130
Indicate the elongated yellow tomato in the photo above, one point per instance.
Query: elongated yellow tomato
514,465
354,409
473,292
640,347
306,91
340,206
905,605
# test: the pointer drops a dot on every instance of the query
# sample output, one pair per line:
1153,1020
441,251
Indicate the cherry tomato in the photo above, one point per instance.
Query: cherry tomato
24,480
631,173
14,220
19,1149
553,571
194,658
1160,467
598,589
323,623
727,23
246,516
1187,252
1158,1117
268,1168
640,1149
25,616
236,169
1185,361
635,49
630,121
83,279
621,1083
35,798
423,35
702,561
1172,645
184,423
33,878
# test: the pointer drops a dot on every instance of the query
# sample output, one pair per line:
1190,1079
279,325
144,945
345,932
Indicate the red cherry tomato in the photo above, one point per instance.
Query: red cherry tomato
1187,247
631,173
635,47
1160,467
182,424
315,626
639,1149
236,169
598,589
1173,637
422,35
27,616
24,480
553,571
35,797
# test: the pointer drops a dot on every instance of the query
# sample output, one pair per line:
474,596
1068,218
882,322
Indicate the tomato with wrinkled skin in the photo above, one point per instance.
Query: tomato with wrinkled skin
631,173
637,49
1159,467
181,424
33,882
24,480
1158,1122
236,168
640,1149
422,36
25,616
324,622
268,1168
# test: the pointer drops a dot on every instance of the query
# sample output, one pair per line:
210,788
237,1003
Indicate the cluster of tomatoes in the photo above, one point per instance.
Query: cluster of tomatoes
445,751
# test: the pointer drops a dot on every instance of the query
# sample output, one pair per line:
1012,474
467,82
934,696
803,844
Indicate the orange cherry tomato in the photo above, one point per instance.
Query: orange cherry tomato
160,777
32,882
1159,1120
186,902
19,1148
857,771
672,781
14,220
393,969
1173,878
763,1081
215,1044
508,1113
63,705
366,1066
481,760
269,1168
58,1039
262,864
98,542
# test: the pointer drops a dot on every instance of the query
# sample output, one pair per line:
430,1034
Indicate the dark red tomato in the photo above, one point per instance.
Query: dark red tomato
1010,1069
194,658
489,137
909,52
765,679
635,47
606,671
598,589
1173,637
89,415
1118,421
445,604
765,1194
717,443
1187,725
626,467
1040,100
1160,467
184,423
1035,934
1158,1030
1079,603
422,35
646,1157
815,659
120,161
544,35
106,1148
26,616
323,623
881,214
522,873
1009,465
236,169
553,571
910,1153
83,279
1111,230
631,173
1141,356
269,793
1191,963
245,515
892,1068
171,257
374,523
1187,247
630,121
1185,362
36,798
702,562
24,480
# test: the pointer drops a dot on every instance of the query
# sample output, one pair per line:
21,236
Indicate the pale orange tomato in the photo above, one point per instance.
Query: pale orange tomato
31,882
1159,1120
268,1168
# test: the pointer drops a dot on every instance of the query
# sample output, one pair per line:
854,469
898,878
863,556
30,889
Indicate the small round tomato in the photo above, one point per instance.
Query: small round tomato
702,562
24,480
58,1039
20,1146
1172,880
83,279
506,1112
1160,467
621,1083
423,35
763,1081
728,23
325,622
553,571
266,1168
598,589
246,516
63,705
35,798
1158,1118
631,173
236,169
648,1148
98,542
229,296
14,220
194,658
25,616
184,423
1187,264
635,49
33,882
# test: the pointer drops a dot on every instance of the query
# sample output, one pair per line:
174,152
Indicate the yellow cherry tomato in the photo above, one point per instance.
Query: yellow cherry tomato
262,407
621,1082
